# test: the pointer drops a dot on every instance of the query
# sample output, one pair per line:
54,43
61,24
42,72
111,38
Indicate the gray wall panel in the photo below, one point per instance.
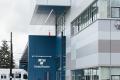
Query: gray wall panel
68,61
87,49
73,64
115,46
104,46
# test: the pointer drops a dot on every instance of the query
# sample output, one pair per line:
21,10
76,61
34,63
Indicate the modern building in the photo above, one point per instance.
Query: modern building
92,29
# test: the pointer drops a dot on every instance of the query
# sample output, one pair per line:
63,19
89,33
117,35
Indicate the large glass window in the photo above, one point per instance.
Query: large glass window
115,12
75,26
73,75
84,19
110,72
61,23
115,77
85,74
94,11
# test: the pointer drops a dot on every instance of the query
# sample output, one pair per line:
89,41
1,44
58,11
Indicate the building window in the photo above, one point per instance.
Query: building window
115,77
84,19
75,27
115,11
17,75
85,74
61,23
3,76
73,75
25,76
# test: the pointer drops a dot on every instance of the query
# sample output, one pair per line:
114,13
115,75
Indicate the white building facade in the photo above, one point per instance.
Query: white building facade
92,30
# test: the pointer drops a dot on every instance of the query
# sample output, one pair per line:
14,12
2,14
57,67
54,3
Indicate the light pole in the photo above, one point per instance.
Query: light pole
11,60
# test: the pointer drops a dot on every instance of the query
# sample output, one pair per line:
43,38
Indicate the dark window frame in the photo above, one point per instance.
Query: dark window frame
25,76
115,75
5,76
61,23
1,76
18,75
88,16
112,11
79,74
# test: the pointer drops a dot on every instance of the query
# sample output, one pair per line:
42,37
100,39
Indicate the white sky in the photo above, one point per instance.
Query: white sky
14,17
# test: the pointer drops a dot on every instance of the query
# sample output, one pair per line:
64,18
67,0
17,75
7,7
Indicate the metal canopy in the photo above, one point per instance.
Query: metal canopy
46,14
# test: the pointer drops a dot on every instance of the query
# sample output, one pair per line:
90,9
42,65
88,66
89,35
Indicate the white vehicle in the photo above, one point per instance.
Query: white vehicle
17,74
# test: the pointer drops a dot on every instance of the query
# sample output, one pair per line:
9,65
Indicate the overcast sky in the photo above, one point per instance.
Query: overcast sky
15,17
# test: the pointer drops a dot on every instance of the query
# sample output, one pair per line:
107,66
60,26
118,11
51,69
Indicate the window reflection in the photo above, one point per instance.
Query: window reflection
116,12
84,19
98,73
85,74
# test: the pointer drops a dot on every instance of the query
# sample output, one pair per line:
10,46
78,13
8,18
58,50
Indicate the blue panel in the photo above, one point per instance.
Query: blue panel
61,41
45,57
42,52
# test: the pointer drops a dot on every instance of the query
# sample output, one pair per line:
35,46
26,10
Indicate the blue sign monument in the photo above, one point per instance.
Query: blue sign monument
44,57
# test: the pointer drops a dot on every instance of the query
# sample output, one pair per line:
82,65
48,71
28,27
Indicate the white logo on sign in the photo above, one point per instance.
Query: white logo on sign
41,61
